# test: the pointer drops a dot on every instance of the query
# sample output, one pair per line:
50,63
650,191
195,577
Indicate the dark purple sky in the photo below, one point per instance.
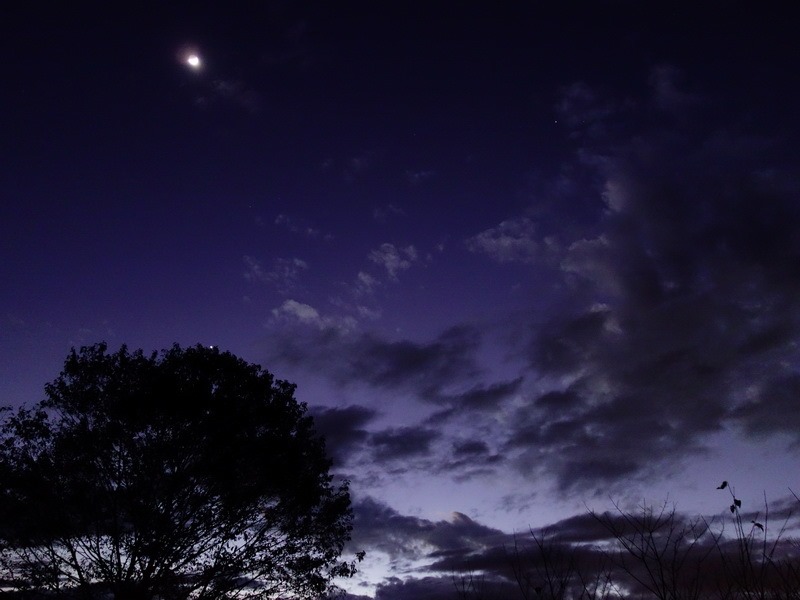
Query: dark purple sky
516,258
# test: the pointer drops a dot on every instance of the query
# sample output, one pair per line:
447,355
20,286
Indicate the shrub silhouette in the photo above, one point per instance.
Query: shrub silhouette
651,552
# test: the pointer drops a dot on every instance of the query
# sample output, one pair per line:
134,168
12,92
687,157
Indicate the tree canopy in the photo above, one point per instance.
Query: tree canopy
182,474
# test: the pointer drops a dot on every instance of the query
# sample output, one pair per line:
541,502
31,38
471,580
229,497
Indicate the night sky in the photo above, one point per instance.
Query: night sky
521,259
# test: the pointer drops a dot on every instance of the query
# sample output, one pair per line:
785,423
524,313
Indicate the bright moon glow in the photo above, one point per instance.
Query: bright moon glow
193,61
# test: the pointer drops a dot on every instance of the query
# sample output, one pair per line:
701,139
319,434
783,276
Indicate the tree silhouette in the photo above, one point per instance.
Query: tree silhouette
184,474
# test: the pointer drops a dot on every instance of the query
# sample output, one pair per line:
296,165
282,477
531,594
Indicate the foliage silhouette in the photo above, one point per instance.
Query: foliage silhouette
184,474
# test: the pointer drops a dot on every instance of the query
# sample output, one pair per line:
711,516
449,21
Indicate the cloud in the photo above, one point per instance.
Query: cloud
352,168
365,283
343,429
436,372
365,312
668,93
427,366
461,551
402,442
772,408
294,311
679,316
254,271
480,398
426,588
385,212
415,177
483,397
460,556
216,91
513,240
470,459
470,448
302,312
393,259
356,164
301,227
326,345
382,528
237,92
675,318
588,112
283,273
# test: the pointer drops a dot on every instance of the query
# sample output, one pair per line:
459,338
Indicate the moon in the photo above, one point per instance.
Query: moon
193,61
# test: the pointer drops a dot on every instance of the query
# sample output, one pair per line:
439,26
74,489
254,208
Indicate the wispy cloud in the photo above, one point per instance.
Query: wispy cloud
513,240
298,312
393,259
387,211
351,168
237,92
418,176
283,272
301,227
668,91
365,283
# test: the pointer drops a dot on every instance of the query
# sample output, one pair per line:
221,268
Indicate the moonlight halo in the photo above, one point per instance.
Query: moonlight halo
189,56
